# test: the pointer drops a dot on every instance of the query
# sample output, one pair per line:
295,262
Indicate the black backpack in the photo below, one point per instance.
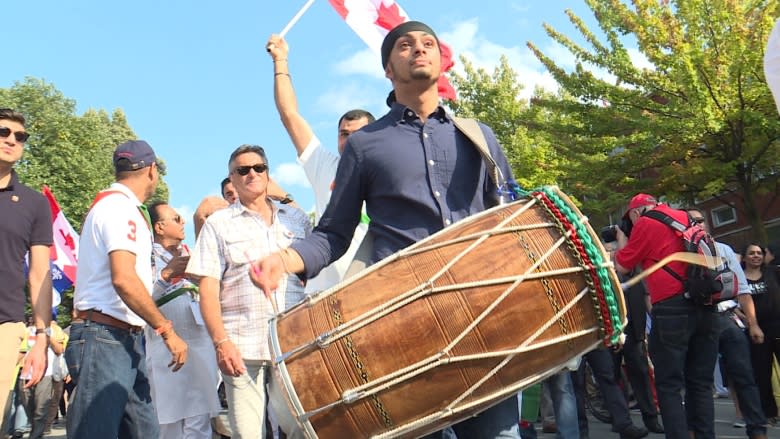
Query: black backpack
705,286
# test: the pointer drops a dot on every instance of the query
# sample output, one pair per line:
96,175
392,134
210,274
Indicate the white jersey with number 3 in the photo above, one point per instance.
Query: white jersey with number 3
114,223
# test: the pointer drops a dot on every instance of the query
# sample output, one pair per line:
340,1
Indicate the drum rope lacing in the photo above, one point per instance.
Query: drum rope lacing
605,288
375,386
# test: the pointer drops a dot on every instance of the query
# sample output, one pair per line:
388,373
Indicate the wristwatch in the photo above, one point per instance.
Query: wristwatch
46,331
287,199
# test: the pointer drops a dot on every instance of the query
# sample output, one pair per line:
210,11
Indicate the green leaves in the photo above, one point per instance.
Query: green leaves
69,153
699,122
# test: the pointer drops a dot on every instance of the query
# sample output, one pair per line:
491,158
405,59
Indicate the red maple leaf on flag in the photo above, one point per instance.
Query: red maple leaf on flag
338,5
388,18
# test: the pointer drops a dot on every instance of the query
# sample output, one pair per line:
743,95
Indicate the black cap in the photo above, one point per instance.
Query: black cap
133,155
398,31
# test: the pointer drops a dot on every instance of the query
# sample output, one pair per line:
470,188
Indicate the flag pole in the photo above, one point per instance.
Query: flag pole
295,18
292,21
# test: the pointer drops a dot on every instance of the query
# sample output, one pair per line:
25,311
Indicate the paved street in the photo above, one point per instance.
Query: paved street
724,416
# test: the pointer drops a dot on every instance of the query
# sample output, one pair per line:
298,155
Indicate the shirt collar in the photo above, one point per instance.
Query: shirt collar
239,209
116,186
404,114
12,183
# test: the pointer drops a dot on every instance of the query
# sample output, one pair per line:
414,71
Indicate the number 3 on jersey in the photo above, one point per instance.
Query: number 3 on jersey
131,235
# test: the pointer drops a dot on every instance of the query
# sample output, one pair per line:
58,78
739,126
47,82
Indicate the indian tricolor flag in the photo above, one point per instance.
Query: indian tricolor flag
64,252
373,19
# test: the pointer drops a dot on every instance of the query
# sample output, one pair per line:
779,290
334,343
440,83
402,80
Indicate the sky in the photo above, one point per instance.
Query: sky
194,80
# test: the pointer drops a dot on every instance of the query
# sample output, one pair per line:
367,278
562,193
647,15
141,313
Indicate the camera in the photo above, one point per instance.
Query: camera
609,233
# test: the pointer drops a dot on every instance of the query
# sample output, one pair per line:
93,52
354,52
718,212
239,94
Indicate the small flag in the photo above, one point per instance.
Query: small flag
64,252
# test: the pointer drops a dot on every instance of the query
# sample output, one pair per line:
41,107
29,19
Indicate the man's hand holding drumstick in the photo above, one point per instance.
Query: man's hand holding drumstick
267,272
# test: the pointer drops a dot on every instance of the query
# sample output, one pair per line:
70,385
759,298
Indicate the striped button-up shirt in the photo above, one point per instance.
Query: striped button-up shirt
231,239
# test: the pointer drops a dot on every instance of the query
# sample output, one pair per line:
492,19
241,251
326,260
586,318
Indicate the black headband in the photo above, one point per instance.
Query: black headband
400,30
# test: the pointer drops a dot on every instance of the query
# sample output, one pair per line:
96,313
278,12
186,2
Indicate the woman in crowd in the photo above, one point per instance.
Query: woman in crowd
765,288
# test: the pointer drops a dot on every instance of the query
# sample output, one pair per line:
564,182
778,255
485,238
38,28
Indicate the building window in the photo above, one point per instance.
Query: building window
722,216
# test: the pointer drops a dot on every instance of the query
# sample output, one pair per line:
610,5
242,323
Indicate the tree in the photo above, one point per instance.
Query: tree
71,154
699,123
493,100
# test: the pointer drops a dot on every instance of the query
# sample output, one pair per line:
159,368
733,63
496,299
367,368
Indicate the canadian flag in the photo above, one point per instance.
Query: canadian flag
373,19
64,252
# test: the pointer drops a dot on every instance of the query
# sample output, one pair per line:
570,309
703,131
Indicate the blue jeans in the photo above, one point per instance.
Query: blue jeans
564,404
112,397
683,345
734,347
500,421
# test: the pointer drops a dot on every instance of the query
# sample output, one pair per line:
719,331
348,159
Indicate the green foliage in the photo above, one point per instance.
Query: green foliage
493,100
69,153
699,123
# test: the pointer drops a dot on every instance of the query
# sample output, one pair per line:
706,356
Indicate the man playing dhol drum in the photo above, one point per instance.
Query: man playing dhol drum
416,173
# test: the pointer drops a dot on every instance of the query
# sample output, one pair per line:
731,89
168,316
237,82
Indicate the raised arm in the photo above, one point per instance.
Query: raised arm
284,95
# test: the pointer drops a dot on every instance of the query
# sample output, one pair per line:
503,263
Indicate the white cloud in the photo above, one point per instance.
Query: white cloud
351,94
465,39
364,62
290,174
482,53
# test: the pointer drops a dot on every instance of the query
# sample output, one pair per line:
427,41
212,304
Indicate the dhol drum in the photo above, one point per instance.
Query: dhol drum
450,326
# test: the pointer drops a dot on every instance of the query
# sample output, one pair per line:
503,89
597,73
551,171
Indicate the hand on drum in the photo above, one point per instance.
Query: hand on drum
229,359
266,272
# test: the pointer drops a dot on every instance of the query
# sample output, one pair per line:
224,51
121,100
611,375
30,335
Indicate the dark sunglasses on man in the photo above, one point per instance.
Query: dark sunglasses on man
244,170
176,218
20,136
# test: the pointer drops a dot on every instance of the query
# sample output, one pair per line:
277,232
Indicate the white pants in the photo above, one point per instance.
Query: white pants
246,401
194,427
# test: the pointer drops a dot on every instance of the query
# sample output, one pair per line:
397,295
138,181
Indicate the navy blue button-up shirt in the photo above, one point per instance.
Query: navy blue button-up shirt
415,178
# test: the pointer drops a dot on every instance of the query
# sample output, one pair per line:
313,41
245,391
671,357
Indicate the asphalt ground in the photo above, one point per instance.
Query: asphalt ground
724,418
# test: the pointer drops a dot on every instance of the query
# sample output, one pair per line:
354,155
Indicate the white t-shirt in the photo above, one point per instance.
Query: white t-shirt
320,166
114,223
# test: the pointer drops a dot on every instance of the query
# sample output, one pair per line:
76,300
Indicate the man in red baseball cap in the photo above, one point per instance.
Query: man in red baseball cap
639,201
683,336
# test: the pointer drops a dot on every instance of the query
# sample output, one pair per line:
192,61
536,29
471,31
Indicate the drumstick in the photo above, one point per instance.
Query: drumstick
256,270
687,257
292,22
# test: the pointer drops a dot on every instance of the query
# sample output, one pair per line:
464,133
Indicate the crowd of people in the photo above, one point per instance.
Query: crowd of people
157,326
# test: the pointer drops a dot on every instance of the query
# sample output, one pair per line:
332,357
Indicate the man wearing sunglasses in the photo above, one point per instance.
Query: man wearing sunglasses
235,312
319,164
733,318
177,297
112,303
25,228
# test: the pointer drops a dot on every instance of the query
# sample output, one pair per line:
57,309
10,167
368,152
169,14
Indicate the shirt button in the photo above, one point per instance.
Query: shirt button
425,135
409,113
431,162
447,222
437,194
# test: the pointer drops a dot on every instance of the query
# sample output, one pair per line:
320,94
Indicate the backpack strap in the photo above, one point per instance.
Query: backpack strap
675,225
666,219
470,128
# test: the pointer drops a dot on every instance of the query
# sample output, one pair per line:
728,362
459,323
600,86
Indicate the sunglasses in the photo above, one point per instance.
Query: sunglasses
20,136
176,218
697,220
244,170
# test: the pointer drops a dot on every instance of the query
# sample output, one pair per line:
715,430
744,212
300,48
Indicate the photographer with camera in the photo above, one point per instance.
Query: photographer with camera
683,337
